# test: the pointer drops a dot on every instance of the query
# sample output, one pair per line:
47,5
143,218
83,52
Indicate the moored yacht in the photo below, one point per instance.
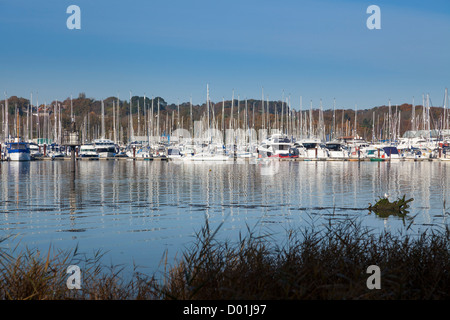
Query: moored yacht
88,151
35,151
56,151
391,153
336,150
174,153
312,149
105,148
212,152
275,146
18,151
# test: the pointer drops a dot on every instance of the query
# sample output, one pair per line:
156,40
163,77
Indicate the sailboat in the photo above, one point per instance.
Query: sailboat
18,150
104,147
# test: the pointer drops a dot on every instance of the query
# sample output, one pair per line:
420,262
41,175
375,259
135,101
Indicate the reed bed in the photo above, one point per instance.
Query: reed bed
328,262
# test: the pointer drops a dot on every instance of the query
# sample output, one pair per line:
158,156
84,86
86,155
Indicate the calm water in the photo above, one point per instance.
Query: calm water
136,210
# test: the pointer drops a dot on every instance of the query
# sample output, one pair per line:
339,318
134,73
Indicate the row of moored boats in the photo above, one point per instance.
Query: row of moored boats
275,146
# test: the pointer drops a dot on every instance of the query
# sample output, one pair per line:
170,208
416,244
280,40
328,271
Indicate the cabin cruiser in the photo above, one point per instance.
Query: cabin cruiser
244,151
336,150
18,151
212,152
34,150
187,150
88,151
358,148
159,150
371,152
174,153
143,152
56,151
105,148
312,149
391,153
275,146
445,156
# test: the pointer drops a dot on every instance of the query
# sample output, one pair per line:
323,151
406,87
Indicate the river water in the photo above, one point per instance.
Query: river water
135,211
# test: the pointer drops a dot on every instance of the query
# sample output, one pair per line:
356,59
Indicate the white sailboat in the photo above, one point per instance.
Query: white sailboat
18,150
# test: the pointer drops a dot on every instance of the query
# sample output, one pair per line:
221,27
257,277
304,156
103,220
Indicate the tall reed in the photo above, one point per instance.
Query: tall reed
330,262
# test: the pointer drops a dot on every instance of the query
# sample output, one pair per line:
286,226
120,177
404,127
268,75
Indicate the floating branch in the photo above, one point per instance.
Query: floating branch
384,208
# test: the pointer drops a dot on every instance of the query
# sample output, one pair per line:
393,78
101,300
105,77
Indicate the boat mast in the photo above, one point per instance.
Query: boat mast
423,113
157,124
389,122
71,109
373,127
282,113
31,117
6,118
333,127
28,123
118,119
223,117
178,116
130,124
238,107
310,120
114,122
191,127
138,119
263,119
268,114
103,120
445,120
207,110
55,124
231,112
428,115
301,118
145,117
17,126
60,123
246,121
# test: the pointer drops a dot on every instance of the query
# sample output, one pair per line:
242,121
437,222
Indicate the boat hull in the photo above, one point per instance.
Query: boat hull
106,154
19,156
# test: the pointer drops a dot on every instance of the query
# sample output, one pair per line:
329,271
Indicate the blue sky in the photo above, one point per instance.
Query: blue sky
313,49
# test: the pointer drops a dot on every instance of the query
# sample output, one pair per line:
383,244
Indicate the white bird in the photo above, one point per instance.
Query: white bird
386,196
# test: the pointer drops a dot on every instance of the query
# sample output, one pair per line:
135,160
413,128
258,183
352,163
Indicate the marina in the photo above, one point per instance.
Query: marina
267,130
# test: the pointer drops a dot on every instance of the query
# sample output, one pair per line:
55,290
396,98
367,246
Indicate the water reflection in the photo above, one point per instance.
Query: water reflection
132,207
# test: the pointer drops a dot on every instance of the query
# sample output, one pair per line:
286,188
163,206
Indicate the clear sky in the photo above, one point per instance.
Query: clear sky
314,49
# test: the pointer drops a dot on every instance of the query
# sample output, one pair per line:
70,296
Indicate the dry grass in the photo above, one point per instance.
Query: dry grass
329,262
33,275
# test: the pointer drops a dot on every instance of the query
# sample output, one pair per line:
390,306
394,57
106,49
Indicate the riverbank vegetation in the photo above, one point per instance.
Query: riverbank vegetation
329,262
